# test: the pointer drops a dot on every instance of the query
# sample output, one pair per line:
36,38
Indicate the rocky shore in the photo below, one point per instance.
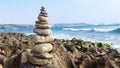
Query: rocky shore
75,53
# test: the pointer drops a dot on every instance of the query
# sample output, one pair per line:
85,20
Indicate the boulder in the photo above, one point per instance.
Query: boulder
43,26
38,61
43,32
42,48
41,39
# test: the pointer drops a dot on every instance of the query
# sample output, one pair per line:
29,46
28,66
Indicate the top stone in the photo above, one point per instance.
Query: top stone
43,12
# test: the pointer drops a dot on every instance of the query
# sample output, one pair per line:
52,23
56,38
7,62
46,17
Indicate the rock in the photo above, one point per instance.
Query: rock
42,18
43,15
2,52
24,55
43,32
2,57
41,22
43,26
41,39
38,61
43,11
42,48
62,57
43,55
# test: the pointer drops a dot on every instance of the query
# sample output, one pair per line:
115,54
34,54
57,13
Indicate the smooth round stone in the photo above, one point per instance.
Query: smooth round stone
43,55
43,32
38,61
41,39
42,48
43,26
41,22
42,18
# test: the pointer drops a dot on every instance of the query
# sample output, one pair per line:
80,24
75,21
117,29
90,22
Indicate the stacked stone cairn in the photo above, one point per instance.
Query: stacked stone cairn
42,39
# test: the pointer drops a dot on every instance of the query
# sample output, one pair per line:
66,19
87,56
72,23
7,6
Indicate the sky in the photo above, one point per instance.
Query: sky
60,11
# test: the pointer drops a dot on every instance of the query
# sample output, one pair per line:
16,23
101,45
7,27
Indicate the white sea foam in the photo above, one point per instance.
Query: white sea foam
104,29
76,29
91,29
29,33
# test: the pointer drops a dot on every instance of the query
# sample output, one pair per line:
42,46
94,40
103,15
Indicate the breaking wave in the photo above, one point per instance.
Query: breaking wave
115,30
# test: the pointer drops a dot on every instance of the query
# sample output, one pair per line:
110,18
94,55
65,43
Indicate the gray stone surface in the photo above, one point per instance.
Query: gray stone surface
41,39
43,26
41,22
43,55
43,32
42,18
42,48
38,61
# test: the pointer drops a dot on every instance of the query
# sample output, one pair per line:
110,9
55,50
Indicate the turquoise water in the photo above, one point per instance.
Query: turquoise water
97,33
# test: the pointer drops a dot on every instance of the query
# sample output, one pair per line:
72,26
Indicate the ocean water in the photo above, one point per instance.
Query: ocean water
109,33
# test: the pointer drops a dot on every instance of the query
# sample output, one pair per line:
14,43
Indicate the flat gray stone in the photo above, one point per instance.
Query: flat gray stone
43,32
43,55
41,39
38,61
42,18
42,48
43,26
41,22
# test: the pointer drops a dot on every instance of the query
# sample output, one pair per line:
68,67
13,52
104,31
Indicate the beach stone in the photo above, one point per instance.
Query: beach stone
42,48
42,18
43,32
43,26
43,11
41,39
43,55
41,22
38,61
43,15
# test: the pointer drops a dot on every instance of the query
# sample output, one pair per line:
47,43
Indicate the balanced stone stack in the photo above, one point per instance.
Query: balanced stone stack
41,51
